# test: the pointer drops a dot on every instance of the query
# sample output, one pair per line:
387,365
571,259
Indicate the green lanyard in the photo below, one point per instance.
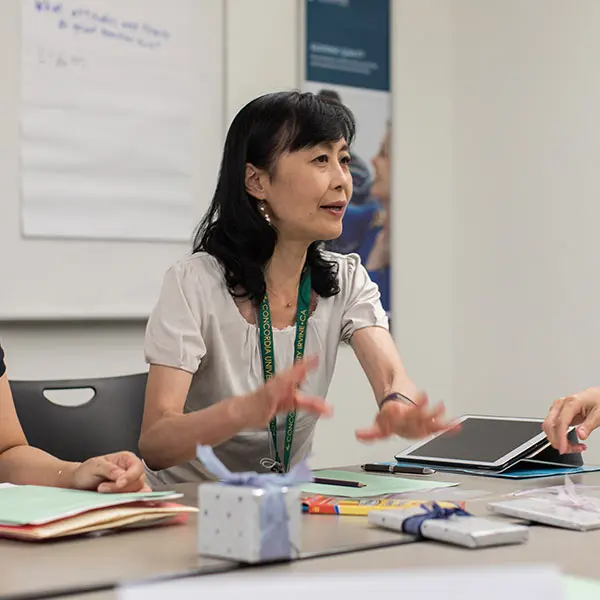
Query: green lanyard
268,358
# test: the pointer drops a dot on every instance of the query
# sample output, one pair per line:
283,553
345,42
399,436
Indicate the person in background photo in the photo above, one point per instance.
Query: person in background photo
362,208
359,170
23,465
375,249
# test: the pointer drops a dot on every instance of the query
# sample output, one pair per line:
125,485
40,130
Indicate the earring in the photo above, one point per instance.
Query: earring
264,213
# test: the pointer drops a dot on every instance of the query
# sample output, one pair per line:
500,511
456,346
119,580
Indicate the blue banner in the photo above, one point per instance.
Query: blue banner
348,43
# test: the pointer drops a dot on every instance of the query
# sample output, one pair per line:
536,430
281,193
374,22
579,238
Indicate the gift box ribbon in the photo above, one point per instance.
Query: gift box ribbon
565,495
275,540
412,525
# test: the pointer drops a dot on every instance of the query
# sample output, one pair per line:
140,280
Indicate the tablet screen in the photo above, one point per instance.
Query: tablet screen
482,440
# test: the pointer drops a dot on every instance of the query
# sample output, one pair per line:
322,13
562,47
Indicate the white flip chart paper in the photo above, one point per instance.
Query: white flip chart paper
107,96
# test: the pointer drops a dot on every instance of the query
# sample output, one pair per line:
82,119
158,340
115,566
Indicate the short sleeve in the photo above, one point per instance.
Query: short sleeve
362,301
2,363
173,333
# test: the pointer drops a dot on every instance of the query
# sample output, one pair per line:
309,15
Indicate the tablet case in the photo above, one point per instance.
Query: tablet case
544,462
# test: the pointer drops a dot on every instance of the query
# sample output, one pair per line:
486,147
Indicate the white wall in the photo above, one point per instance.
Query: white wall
526,188
422,176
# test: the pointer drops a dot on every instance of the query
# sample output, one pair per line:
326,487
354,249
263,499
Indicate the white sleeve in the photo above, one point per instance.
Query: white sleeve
173,334
363,305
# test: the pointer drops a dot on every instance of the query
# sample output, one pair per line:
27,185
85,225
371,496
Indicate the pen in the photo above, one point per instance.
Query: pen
343,482
374,468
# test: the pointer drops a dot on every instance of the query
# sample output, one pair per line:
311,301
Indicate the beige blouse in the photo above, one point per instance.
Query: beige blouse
196,326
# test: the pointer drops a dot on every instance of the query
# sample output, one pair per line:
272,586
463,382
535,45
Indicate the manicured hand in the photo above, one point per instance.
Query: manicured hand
118,472
581,409
279,395
406,420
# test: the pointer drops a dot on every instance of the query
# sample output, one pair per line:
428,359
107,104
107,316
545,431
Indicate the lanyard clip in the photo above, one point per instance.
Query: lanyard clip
271,465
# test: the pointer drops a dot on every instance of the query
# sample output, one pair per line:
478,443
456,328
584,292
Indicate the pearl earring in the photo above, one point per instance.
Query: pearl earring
264,212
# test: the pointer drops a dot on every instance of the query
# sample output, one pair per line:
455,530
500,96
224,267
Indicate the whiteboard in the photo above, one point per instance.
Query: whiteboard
99,279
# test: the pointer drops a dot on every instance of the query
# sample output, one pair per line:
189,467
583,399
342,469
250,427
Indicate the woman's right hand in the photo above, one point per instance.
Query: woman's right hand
279,395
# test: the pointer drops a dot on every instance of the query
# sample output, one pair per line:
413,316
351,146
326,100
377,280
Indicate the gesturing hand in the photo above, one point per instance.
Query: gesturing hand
280,394
406,420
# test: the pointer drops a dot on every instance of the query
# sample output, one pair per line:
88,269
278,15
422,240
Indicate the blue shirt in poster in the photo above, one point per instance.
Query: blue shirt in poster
379,276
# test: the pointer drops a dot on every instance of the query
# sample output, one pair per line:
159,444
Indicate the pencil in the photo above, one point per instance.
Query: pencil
325,481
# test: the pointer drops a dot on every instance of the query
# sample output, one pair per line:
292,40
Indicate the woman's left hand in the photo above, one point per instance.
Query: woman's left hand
407,421
111,473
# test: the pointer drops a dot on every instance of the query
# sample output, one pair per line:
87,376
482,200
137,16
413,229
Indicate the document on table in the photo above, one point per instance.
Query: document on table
34,505
375,485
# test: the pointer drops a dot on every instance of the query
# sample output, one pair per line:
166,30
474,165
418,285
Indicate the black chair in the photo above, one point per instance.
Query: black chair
109,422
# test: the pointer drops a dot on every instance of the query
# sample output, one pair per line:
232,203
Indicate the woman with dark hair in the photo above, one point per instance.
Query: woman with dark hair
259,293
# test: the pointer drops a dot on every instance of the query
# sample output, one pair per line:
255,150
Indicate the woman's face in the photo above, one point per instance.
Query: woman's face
307,193
380,188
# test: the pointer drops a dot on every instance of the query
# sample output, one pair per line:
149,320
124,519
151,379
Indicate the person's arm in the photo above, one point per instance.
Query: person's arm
169,437
174,349
20,463
23,465
380,360
365,328
582,409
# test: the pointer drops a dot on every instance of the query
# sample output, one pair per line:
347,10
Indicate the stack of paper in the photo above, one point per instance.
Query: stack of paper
37,513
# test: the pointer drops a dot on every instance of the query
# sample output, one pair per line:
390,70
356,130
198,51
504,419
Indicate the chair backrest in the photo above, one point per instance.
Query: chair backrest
109,422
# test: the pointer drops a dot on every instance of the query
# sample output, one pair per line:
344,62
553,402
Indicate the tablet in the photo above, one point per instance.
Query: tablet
482,442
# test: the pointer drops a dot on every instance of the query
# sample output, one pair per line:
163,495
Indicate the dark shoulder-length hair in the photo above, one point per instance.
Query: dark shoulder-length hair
233,230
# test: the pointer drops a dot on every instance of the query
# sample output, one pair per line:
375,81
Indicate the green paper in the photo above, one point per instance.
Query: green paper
35,505
577,588
376,485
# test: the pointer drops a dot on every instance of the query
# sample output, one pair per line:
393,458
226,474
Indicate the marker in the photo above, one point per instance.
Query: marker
395,469
343,482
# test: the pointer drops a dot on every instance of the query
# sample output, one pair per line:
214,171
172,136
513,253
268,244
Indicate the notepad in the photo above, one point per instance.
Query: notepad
375,485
